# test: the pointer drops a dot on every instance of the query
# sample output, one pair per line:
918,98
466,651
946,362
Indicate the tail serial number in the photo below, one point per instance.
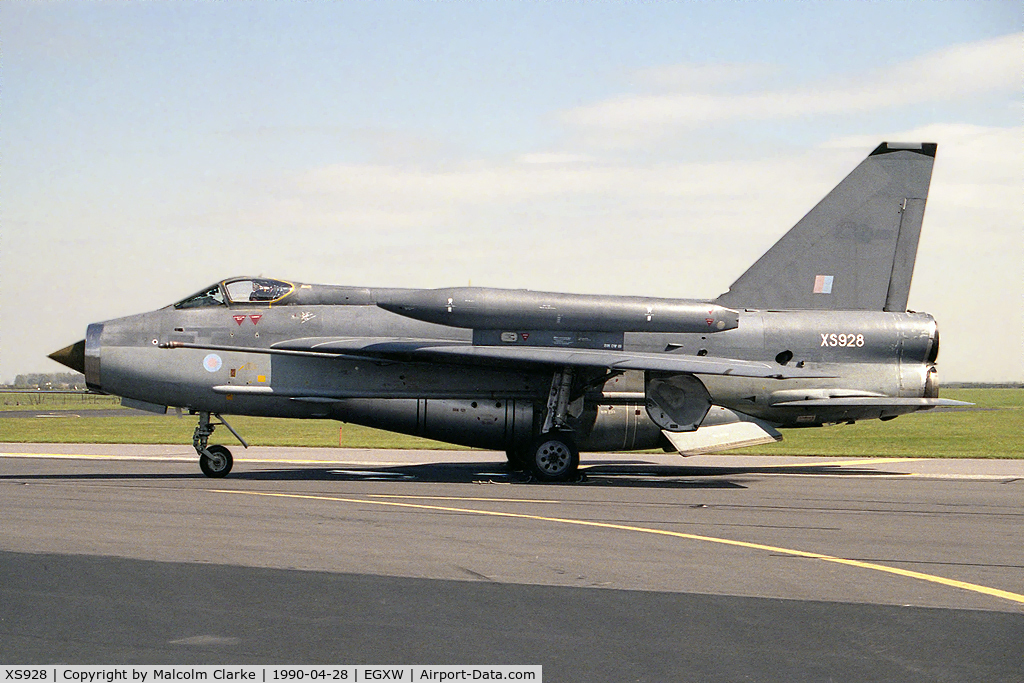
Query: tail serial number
834,339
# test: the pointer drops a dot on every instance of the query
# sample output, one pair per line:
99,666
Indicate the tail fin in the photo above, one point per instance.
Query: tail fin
856,249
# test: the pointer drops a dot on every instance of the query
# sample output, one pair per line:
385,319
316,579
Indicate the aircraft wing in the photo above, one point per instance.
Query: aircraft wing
465,353
600,358
872,402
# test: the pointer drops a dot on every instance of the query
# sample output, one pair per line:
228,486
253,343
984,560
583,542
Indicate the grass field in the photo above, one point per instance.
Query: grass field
42,400
992,430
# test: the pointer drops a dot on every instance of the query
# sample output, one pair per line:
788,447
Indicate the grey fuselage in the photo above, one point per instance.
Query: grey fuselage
855,353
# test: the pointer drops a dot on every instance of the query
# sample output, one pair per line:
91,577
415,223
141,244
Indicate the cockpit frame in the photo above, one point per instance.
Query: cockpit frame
239,291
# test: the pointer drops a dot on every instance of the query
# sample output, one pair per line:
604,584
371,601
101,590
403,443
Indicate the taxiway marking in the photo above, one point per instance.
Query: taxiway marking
194,458
467,498
931,578
87,456
862,461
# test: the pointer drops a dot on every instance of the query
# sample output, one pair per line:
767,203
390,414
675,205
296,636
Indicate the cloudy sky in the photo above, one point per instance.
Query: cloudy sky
148,149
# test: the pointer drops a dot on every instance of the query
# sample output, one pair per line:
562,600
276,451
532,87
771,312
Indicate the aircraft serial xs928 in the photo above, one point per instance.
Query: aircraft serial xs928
817,331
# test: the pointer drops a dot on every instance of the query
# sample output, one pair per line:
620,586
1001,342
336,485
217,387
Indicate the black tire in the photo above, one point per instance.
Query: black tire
554,457
216,462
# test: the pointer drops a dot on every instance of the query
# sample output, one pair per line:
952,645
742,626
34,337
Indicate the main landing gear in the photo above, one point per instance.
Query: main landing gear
214,461
552,456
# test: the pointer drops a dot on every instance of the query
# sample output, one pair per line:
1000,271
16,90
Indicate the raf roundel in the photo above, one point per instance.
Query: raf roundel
212,363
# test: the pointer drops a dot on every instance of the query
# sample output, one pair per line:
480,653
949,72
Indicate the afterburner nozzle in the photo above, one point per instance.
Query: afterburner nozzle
71,356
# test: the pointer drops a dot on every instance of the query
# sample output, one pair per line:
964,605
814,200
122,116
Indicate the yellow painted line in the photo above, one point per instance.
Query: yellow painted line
862,461
967,477
87,456
931,578
486,500
195,458
359,463
767,467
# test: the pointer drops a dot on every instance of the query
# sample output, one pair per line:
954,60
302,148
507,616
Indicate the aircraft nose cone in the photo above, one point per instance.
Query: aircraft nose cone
71,356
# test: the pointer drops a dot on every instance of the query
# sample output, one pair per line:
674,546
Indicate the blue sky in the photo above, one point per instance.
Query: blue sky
150,148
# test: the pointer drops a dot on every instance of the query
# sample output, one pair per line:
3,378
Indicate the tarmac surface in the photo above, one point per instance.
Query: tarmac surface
651,568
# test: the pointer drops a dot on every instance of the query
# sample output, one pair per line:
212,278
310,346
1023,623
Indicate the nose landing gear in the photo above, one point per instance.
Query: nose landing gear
214,461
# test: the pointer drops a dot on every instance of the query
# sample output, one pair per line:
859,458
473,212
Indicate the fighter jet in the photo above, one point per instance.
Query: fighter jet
816,332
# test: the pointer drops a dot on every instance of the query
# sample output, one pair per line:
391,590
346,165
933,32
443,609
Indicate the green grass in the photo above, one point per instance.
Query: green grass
994,432
42,400
161,429
991,433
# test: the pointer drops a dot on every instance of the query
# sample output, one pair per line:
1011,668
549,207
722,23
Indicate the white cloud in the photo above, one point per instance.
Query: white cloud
952,73
553,158
389,198
723,213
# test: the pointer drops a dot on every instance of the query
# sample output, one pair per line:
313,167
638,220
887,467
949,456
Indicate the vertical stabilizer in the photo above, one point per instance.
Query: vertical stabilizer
856,249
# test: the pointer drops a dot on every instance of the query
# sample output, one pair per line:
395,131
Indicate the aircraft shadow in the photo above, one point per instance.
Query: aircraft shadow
484,473
638,475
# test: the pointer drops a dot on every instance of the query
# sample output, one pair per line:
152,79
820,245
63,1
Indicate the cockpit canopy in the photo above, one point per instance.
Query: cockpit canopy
262,290
242,290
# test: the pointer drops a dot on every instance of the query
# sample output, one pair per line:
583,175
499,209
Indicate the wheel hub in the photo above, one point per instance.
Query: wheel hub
553,457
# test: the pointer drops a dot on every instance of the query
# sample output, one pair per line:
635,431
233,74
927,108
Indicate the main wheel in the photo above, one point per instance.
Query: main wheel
216,461
554,457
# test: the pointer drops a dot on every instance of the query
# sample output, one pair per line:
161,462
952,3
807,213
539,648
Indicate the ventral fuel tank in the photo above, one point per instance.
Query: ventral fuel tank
481,308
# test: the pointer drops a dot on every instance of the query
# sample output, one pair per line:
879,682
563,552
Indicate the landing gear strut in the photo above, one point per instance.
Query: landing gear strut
553,455
214,461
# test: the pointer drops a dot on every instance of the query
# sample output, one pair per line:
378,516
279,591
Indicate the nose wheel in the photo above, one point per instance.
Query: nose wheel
216,461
